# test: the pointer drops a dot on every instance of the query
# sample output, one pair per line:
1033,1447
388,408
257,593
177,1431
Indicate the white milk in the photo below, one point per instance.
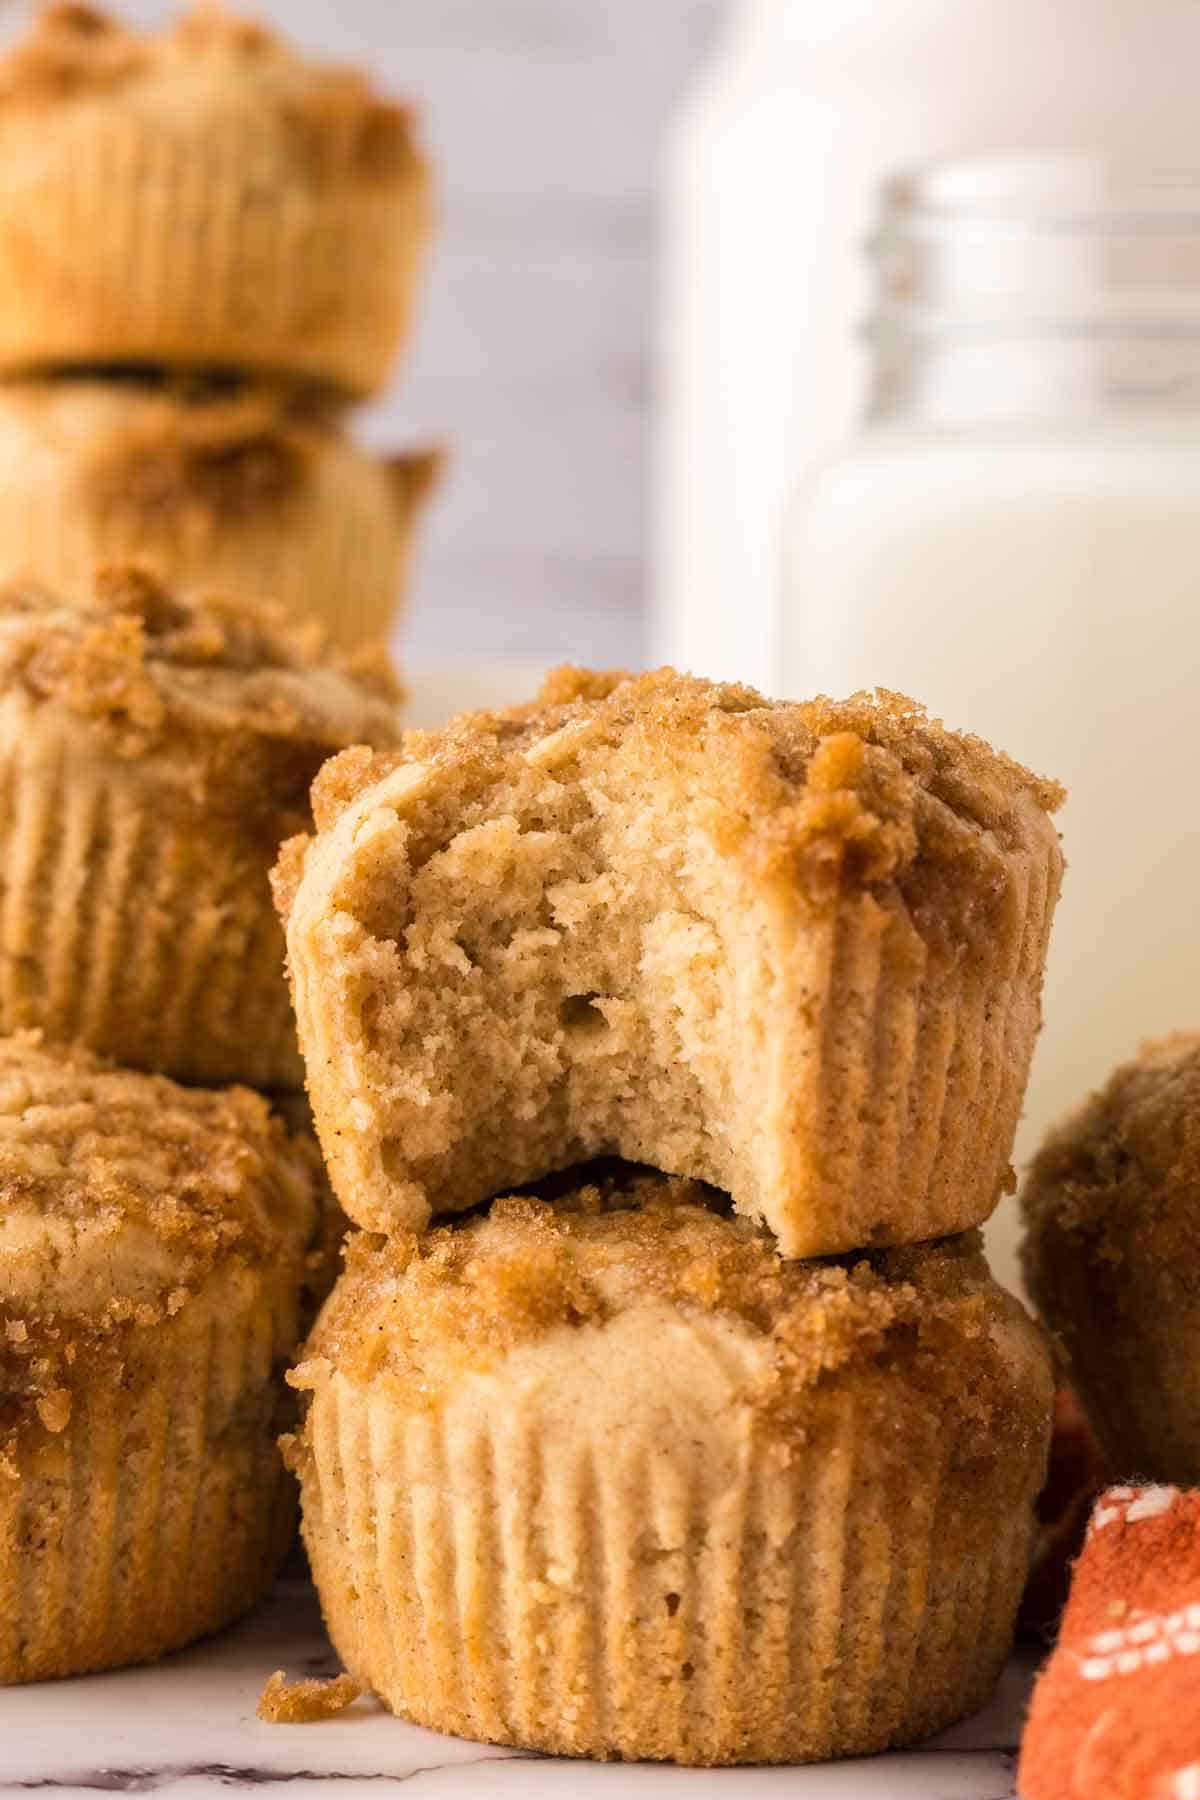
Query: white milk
1016,541
771,176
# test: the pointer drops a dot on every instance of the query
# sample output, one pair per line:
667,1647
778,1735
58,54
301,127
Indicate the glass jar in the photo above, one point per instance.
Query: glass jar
1015,540
772,169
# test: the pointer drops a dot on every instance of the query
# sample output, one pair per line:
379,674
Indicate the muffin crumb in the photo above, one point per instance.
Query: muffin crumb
285,1702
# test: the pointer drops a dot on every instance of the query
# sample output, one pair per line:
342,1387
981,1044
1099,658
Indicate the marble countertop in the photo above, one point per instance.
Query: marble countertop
188,1727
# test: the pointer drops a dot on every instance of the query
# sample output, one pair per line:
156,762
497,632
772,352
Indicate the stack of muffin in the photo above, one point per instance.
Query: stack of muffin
171,210
208,249
724,1451
161,1246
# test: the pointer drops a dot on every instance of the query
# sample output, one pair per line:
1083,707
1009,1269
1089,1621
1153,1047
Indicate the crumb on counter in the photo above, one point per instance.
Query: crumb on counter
284,1702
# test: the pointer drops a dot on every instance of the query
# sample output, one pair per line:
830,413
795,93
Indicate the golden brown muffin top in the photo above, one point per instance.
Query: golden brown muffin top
815,792
139,665
147,449
1127,1163
335,126
235,455
423,1311
180,1179
120,1195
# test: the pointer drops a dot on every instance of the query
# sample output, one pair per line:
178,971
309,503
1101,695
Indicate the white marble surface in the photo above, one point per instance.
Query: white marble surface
188,1727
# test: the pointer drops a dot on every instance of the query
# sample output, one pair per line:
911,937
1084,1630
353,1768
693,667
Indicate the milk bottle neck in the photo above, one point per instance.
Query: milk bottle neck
1036,286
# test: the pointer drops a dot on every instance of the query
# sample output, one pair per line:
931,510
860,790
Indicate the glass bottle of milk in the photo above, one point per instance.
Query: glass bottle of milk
772,169
1015,540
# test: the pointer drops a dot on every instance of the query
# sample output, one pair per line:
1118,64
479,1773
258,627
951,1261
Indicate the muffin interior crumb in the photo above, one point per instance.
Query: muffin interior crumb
578,928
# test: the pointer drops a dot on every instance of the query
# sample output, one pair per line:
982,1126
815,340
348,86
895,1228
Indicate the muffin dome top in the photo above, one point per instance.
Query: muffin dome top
139,664
120,1192
205,65
426,1312
812,793
146,447
1127,1163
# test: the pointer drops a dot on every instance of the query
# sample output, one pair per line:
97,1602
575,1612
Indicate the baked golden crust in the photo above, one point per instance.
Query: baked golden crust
284,1702
1111,1254
140,664
791,949
419,1313
603,1475
143,1502
123,1193
251,487
268,212
870,786
208,1174
154,750
337,126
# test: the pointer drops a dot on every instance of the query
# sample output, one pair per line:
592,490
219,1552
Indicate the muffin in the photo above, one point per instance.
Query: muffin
600,1474
202,196
154,750
153,1250
1112,1258
250,487
792,950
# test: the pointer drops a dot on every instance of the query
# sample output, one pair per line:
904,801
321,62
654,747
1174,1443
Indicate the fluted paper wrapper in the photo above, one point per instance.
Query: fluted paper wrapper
130,925
158,1508
749,1601
140,245
913,1092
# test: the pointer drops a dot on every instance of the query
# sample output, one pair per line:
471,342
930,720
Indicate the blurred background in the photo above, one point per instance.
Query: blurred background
533,355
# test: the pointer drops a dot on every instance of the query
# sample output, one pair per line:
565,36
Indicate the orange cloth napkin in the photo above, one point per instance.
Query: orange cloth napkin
1116,1711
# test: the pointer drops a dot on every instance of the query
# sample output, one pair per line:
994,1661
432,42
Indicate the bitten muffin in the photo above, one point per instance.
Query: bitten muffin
154,1243
1112,1258
202,196
602,1475
248,487
154,750
792,950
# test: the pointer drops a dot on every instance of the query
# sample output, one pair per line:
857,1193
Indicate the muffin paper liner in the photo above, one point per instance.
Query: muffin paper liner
131,244
490,1578
126,926
919,1072
161,1509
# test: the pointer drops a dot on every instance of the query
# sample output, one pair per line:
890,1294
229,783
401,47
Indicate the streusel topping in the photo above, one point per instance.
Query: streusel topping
424,1311
121,1191
138,662
811,792
1128,1160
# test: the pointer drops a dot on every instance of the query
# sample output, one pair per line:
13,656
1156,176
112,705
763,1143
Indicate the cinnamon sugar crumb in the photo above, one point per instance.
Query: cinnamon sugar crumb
285,1702
54,1409
420,1312
140,661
